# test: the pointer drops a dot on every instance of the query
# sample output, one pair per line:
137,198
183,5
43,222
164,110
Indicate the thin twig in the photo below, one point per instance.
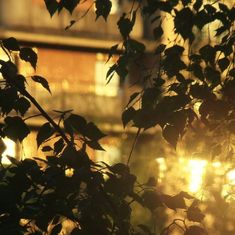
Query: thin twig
133,145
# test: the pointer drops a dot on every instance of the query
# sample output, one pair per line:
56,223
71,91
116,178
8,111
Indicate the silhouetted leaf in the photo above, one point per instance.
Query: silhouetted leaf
195,230
112,51
70,5
15,128
174,202
44,133
171,135
146,229
52,6
11,44
42,81
194,214
151,200
76,122
58,146
93,132
71,23
128,115
29,55
22,105
158,32
56,229
160,48
125,26
223,63
208,53
94,145
103,8
197,5
120,168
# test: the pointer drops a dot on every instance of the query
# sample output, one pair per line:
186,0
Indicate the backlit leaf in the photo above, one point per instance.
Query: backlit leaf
42,81
11,44
44,133
171,135
29,55
15,128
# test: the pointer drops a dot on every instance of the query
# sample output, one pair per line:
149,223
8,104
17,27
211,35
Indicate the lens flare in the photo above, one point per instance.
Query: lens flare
197,170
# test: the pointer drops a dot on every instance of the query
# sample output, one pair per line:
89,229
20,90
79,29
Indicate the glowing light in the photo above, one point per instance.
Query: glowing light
197,170
162,167
10,150
231,177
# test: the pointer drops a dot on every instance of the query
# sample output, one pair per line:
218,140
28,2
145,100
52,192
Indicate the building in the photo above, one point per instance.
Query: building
74,63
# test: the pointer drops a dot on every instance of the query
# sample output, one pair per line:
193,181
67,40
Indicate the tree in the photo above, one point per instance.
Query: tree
194,82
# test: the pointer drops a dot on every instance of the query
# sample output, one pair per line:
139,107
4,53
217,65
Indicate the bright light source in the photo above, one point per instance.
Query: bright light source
197,170
10,150
162,167
231,177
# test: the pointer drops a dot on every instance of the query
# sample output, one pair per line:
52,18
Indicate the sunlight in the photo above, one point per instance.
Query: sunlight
231,177
197,169
10,150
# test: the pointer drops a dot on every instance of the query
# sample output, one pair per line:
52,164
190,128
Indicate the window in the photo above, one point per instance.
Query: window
101,86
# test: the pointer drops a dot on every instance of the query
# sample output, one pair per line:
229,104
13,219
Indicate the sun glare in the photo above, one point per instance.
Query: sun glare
197,170
9,151
231,177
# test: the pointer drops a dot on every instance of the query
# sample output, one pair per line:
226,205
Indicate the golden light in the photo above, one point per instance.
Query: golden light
162,167
196,169
9,151
231,177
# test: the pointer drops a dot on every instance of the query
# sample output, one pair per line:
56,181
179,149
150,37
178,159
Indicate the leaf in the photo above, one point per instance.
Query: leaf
52,6
42,81
94,145
11,44
160,48
56,229
197,5
112,51
103,8
194,214
72,22
93,132
135,47
45,132
174,202
125,26
152,200
58,146
22,105
146,229
76,231
152,182
128,115
132,97
158,32
46,148
120,168
15,128
208,53
70,5
76,122
223,63
195,230
29,55
171,135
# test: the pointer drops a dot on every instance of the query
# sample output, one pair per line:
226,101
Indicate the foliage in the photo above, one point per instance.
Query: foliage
192,83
